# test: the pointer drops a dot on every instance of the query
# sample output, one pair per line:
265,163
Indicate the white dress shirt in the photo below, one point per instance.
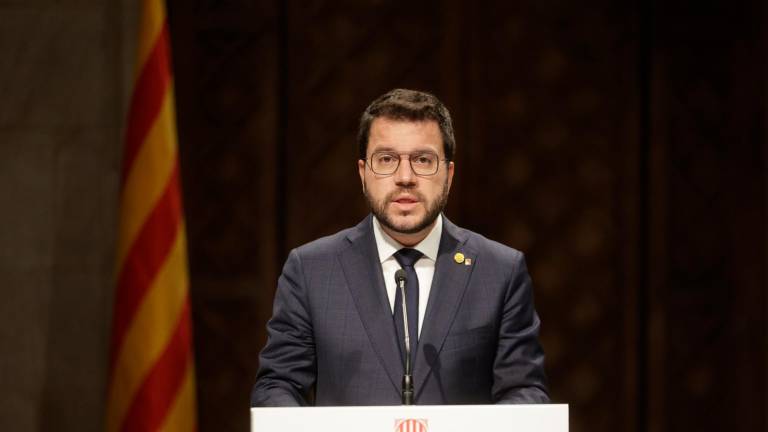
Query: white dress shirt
425,266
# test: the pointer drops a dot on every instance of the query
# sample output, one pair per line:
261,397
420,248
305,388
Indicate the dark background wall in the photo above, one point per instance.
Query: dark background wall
621,145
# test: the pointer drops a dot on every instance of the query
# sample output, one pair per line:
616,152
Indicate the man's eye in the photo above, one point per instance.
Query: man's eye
386,159
422,159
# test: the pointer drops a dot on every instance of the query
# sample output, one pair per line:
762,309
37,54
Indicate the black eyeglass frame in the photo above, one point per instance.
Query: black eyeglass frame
369,162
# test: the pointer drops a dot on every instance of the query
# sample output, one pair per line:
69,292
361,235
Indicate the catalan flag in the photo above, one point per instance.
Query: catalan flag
151,382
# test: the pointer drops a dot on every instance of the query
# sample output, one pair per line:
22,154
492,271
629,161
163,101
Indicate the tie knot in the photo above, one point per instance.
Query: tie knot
407,257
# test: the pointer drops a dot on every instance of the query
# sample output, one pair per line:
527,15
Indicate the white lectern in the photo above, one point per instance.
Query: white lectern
415,418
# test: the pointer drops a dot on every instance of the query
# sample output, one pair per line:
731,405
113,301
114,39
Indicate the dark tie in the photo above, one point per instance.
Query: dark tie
407,257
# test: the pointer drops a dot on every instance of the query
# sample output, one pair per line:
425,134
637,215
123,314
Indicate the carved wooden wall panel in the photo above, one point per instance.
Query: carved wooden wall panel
616,144
551,100
712,295
225,58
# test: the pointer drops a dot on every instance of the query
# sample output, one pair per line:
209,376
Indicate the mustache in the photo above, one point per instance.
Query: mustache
391,196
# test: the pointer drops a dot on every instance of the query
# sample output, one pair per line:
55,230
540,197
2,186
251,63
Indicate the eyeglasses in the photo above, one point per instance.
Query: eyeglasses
422,163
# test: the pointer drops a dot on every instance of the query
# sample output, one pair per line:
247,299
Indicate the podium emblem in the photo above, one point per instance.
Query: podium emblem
411,425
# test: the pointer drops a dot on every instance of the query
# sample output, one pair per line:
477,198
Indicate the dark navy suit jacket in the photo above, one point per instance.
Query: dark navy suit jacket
332,338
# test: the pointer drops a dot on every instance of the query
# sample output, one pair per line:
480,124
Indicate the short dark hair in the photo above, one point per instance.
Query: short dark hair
409,105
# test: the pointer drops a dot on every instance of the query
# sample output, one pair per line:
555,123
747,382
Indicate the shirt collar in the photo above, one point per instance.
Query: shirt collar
387,246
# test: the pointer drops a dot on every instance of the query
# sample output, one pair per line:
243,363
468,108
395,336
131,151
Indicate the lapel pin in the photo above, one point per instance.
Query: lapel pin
468,261
459,257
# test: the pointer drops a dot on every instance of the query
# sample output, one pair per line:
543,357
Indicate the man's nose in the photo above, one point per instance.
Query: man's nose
404,173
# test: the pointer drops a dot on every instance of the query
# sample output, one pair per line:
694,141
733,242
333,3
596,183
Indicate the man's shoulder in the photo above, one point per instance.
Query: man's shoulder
331,244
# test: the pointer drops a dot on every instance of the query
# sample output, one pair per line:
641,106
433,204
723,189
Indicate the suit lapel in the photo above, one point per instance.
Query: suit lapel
362,270
448,287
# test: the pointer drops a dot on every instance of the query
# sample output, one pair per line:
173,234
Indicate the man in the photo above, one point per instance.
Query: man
337,336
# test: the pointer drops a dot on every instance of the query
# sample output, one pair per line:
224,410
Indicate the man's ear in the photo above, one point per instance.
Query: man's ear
361,172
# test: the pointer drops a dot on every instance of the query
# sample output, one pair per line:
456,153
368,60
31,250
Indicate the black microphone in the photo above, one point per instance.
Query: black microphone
407,393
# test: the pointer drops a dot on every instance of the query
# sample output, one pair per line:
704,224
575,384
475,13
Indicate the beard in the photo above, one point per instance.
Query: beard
433,209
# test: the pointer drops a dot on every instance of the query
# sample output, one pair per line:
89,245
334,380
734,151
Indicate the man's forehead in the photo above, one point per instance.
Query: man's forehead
391,132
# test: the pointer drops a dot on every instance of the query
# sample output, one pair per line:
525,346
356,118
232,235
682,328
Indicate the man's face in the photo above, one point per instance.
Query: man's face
406,204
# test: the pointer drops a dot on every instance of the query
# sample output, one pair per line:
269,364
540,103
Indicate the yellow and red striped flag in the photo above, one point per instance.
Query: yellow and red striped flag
151,381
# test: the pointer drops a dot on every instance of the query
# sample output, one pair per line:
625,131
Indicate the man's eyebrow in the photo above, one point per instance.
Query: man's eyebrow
392,149
384,148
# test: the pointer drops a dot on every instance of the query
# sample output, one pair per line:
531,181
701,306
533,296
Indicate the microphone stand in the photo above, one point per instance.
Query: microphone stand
407,391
